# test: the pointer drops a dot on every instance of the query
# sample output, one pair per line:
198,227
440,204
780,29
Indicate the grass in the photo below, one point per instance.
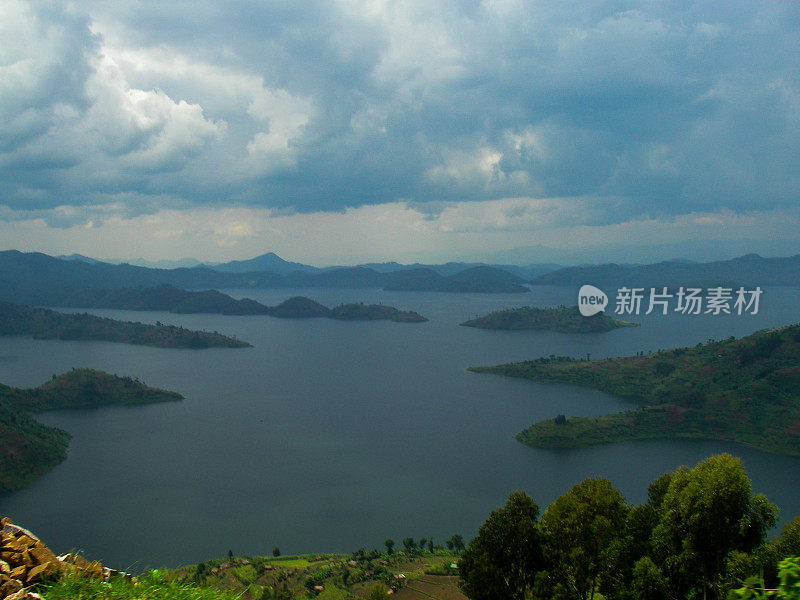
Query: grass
269,578
153,586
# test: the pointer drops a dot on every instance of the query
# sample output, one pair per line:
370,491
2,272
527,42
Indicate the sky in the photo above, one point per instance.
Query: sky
348,131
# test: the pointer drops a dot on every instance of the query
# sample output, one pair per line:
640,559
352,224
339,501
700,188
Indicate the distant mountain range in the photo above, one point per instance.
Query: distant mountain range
23,273
749,270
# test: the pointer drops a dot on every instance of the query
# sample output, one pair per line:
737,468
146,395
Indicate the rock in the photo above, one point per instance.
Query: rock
42,554
11,586
25,559
17,572
35,573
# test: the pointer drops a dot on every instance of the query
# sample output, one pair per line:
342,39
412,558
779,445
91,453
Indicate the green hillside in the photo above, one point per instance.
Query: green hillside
42,323
300,307
742,390
29,449
561,319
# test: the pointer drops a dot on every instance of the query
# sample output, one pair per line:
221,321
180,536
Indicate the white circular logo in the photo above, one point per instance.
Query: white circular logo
591,300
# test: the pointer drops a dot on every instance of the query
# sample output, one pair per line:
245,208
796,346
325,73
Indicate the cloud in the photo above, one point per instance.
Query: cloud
145,130
327,106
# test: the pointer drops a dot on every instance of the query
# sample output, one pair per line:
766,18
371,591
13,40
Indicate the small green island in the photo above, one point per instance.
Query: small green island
301,307
29,449
45,324
562,319
740,390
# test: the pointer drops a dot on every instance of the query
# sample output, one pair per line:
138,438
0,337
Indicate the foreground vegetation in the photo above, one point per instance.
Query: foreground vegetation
562,319
416,574
701,533
745,390
45,324
29,449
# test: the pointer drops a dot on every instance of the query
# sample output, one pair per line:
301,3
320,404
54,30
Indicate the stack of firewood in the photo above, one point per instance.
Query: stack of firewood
25,560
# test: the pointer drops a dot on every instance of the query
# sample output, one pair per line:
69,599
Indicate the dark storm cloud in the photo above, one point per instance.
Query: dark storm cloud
664,107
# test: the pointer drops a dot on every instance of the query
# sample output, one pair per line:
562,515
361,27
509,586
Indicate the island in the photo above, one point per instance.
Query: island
743,390
29,449
561,319
301,307
42,323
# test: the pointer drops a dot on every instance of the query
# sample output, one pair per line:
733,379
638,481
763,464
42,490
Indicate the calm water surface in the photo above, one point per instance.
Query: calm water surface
328,436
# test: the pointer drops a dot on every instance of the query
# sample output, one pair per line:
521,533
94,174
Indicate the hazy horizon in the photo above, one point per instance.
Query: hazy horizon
561,259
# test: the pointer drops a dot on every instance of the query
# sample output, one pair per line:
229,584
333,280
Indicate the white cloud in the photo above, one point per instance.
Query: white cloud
146,128
285,116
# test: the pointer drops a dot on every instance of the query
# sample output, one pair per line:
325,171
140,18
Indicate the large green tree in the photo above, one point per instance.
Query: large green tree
789,542
502,561
706,513
579,529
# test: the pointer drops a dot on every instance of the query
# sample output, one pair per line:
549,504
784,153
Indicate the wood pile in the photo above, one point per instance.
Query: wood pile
25,560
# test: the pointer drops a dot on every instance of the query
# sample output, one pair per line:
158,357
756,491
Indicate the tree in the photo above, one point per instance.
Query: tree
421,543
389,543
649,582
455,543
430,545
789,542
578,529
276,552
706,513
409,544
502,561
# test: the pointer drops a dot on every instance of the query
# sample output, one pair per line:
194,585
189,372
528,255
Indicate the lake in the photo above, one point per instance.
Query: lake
328,436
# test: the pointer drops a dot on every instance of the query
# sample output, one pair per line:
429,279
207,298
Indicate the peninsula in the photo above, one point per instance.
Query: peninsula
740,390
562,319
29,449
42,323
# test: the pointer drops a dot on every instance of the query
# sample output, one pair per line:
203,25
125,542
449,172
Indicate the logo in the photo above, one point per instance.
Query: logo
591,300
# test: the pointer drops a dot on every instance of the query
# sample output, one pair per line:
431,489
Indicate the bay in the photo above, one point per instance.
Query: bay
328,436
